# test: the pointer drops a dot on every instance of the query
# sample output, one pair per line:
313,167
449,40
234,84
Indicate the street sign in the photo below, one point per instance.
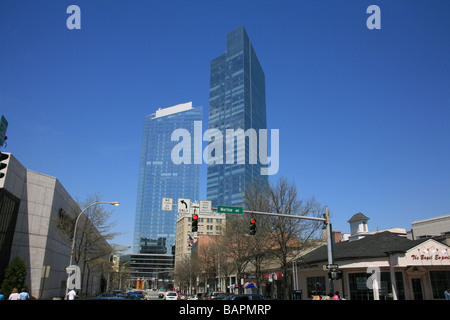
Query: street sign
228,209
3,126
184,205
167,204
205,206
332,266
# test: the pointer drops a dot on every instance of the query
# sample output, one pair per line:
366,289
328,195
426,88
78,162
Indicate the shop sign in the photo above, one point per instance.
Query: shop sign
430,252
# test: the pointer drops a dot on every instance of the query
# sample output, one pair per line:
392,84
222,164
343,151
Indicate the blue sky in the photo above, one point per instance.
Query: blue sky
363,114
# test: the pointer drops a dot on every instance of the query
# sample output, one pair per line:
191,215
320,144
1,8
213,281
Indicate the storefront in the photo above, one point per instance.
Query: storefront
383,266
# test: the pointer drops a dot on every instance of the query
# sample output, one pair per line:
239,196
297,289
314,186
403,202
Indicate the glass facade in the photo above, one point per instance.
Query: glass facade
237,100
159,178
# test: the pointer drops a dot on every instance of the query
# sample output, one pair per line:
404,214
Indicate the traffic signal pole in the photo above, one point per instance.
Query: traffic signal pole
329,247
327,223
239,210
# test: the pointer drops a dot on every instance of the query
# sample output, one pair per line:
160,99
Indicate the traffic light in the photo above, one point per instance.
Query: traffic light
252,226
194,222
3,157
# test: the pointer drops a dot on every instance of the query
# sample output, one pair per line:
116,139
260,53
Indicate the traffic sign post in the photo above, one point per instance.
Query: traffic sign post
205,206
167,204
184,205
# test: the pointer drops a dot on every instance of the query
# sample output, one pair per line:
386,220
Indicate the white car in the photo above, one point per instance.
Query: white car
171,295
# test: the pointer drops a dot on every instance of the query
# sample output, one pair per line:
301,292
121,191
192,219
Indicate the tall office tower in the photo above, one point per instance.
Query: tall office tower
160,177
237,99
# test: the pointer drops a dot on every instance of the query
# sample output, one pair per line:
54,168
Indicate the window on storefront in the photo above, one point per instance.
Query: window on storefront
360,291
440,281
316,286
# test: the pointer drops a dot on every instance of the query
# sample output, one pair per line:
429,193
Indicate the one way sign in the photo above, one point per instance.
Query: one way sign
184,205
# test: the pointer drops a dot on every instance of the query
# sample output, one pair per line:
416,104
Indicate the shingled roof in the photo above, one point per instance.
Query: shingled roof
374,245
357,217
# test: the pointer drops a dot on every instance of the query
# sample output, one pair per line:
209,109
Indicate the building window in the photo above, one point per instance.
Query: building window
316,286
440,281
360,291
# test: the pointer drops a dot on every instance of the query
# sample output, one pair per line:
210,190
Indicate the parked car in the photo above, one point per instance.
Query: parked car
245,297
104,298
171,295
215,296
135,296
200,296
105,295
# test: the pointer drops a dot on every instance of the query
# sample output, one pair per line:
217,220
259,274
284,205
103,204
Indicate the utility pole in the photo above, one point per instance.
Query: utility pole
329,248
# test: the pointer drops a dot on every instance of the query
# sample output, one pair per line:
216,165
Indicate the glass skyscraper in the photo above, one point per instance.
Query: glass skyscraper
237,100
159,178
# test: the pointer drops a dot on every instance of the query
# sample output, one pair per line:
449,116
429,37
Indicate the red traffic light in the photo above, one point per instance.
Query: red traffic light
194,222
252,226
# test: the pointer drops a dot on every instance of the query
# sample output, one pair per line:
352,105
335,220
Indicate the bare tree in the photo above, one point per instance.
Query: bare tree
256,198
236,242
290,235
92,235
183,274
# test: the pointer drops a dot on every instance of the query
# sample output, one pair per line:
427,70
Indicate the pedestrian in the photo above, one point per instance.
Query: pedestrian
447,294
14,295
2,297
329,296
24,294
71,295
337,296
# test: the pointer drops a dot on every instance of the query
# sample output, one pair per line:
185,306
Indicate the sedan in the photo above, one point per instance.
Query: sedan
171,295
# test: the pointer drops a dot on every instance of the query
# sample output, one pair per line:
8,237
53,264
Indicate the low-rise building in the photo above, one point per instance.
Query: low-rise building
380,265
212,224
32,205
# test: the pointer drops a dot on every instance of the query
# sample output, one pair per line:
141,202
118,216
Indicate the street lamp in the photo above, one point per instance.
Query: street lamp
116,204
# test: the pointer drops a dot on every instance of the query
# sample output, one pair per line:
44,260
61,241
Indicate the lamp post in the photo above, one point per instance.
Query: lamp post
75,232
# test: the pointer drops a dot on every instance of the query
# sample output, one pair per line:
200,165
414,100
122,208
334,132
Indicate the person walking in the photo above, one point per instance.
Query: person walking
14,295
71,295
24,294
447,294
328,296
336,296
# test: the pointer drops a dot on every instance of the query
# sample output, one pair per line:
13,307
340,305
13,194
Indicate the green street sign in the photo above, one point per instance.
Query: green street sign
3,126
227,209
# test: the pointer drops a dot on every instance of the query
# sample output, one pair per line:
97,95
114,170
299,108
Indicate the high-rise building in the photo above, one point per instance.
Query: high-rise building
160,177
237,100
